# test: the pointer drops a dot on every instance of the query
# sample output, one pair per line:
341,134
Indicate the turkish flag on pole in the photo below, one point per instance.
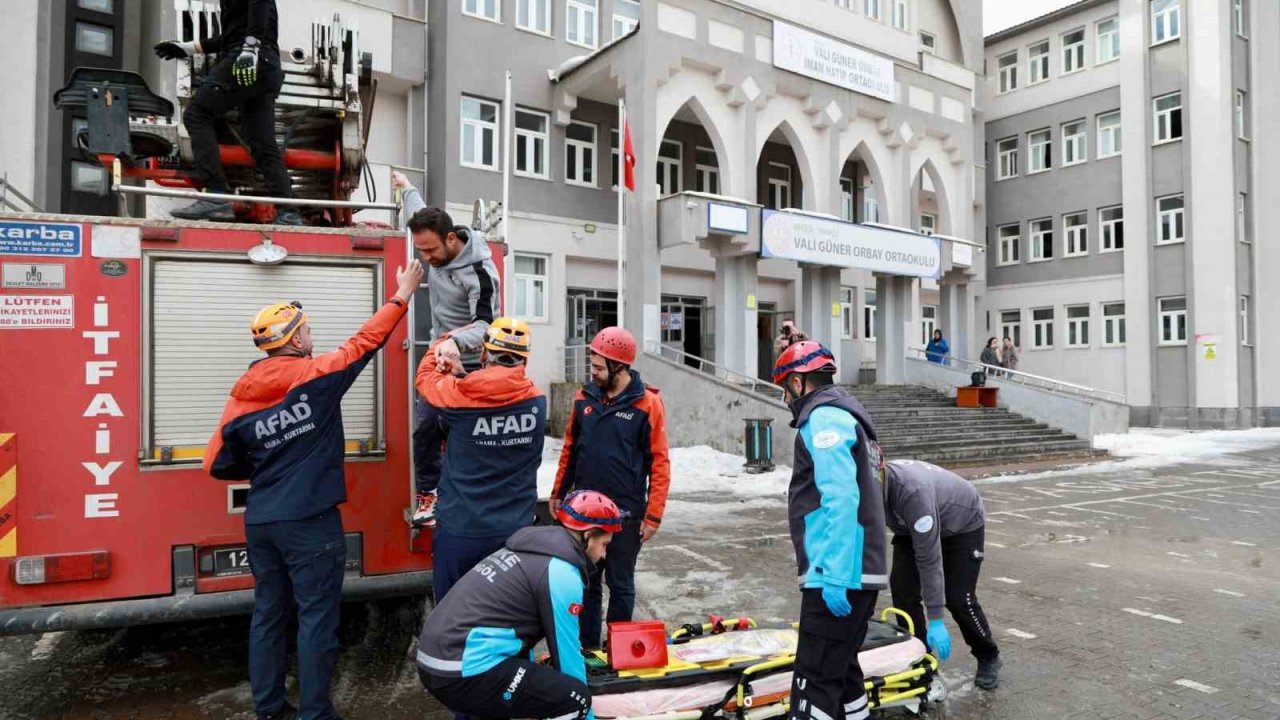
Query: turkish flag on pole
628,158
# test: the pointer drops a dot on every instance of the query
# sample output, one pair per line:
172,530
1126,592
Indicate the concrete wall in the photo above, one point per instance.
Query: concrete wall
1082,417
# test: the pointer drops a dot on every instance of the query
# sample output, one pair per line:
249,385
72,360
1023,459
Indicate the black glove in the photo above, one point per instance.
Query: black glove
245,69
175,50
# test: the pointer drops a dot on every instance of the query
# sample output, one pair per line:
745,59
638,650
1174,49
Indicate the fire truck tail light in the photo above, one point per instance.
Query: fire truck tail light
44,569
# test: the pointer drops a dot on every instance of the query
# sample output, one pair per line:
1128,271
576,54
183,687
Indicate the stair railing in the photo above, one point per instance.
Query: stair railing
577,368
1023,378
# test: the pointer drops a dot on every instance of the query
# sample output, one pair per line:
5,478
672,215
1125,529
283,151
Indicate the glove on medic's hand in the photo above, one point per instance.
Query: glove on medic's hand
175,50
939,640
245,69
837,600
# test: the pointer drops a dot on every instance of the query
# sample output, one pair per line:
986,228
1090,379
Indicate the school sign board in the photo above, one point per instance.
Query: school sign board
819,241
831,61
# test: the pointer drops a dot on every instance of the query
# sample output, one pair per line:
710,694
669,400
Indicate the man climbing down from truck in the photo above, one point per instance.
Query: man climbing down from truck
282,430
248,78
462,285
616,443
473,655
938,523
837,527
496,419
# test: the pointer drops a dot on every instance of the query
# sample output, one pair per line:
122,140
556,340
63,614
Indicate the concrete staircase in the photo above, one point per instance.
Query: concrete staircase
918,423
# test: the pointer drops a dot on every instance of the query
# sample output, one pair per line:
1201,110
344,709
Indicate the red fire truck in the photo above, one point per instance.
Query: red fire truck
119,341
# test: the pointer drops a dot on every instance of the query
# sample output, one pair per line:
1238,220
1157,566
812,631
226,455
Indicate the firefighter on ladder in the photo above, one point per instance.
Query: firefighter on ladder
248,78
282,430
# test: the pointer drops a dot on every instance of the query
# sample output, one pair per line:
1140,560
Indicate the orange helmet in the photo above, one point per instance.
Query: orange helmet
509,335
803,357
275,324
590,510
616,344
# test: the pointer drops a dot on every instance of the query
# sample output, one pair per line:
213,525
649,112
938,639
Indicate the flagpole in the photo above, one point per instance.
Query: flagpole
622,182
507,132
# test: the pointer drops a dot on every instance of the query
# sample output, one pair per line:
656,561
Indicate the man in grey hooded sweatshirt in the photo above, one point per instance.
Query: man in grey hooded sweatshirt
463,287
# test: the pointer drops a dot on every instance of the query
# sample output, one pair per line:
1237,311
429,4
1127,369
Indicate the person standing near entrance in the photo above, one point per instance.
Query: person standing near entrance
282,430
616,444
465,297
939,526
938,349
991,356
1009,356
789,335
837,527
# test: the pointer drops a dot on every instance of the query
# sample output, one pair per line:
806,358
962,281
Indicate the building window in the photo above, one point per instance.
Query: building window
534,16
846,199
707,169
1077,326
847,325
531,144
531,287
1010,237
1074,149
1111,222
1166,21
105,7
88,178
626,17
1108,40
870,206
95,39
1011,326
483,9
1038,63
1238,17
1168,118
479,134
1173,320
1073,51
1008,65
1112,324
779,186
580,154
1039,156
1244,320
1169,220
1042,328
1041,239
1076,229
871,8
928,322
580,22
1109,134
670,154
900,14
846,4
869,315
1007,157
1242,113
928,223
1242,217
928,43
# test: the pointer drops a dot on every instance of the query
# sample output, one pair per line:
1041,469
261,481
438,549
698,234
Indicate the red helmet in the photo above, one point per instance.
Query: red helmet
616,344
590,510
805,356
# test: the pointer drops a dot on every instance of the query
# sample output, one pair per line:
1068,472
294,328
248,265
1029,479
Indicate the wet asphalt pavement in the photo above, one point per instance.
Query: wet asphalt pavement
1149,594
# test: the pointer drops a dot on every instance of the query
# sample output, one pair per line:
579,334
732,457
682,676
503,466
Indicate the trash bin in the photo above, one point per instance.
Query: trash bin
759,445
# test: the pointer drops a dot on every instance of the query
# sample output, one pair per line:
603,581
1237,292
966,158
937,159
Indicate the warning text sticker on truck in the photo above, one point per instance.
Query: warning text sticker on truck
40,238
36,311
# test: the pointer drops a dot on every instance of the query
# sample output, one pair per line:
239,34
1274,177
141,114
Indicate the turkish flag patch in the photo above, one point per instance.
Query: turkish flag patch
575,608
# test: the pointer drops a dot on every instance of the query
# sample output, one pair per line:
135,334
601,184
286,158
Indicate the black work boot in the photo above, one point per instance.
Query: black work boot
205,210
286,712
988,676
288,216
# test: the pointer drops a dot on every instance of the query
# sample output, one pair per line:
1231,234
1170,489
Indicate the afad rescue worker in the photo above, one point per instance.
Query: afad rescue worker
616,443
496,419
473,655
282,431
837,526
247,77
462,283
938,525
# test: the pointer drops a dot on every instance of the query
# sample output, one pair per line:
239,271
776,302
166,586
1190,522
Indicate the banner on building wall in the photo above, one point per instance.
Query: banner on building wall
832,61
839,244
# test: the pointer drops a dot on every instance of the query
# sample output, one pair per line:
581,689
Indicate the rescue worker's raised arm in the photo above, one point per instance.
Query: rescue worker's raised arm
659,462
360,348
919,510
830,436
436,388
559,605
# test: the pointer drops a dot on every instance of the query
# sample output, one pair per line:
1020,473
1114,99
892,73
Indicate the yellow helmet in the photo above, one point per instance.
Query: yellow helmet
275,324
508,335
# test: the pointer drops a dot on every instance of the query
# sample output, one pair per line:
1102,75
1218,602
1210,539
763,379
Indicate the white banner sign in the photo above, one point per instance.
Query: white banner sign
37,311
840,244
961,254
832,61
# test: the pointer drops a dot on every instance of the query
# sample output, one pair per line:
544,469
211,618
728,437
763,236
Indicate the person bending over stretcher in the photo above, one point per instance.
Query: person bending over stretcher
473,654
